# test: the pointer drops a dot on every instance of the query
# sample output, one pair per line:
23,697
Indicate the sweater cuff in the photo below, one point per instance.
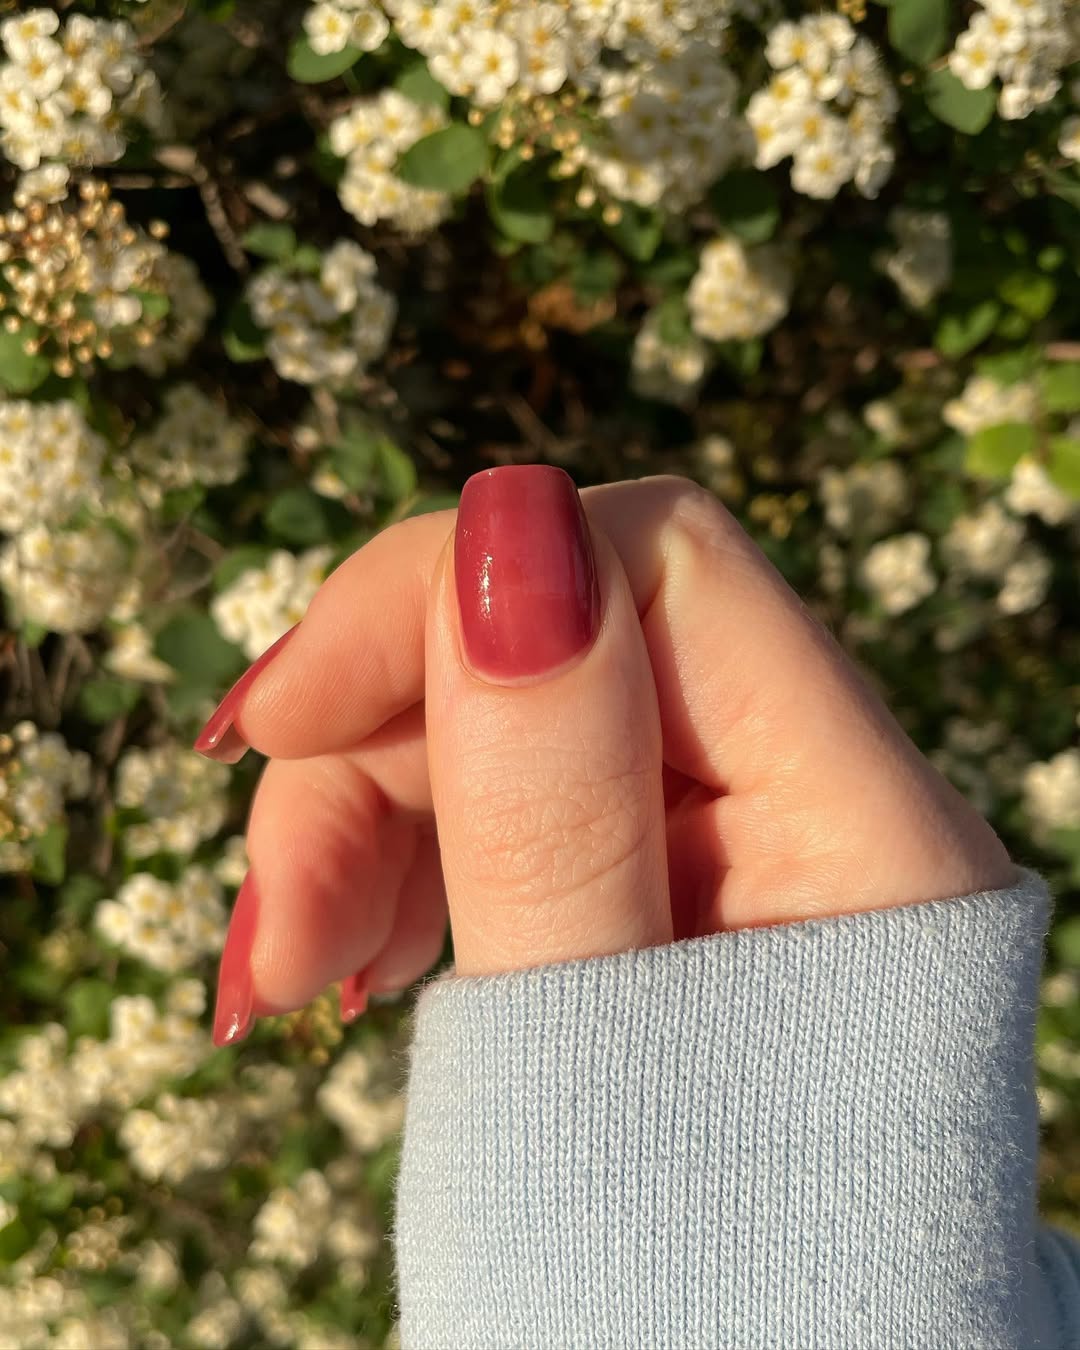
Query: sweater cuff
820,1134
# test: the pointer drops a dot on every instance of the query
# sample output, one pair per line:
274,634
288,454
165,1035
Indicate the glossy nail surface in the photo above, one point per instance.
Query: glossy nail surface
525,572
354,996
234,1011
220,739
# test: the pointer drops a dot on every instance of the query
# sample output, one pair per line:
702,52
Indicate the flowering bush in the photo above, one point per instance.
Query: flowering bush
273,278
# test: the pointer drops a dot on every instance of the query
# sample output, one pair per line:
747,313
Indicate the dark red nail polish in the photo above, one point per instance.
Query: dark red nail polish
219,739
234,1011
525,572
354,996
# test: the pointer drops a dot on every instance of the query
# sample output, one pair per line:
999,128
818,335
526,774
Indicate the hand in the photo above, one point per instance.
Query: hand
635,733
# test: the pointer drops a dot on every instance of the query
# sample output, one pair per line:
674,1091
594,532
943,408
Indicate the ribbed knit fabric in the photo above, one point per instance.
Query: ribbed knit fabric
817,1136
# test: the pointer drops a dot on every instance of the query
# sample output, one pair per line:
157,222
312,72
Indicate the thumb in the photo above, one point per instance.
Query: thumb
543,731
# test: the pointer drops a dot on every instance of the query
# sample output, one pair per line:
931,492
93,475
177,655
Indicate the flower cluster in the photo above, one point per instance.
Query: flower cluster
180,798
263,603
357,1098
370,137
169,926
68,581
194,441
985,402
671,127
1052,792
180,1136
897,572
331,27
921,265
829,106
50,463
67,92
86,286
38,773
327,329
1026,45
869,497
664,369
57,1086
738,292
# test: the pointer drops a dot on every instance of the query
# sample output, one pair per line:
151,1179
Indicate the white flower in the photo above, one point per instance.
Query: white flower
491,66
1031,493
985,402
921,266
328,28
181,795
368,1112
897,572
292,1221
264,603
829,106
867,497
738,292
1051,792
179,1137
1025,581
1069,138
974,59
983,542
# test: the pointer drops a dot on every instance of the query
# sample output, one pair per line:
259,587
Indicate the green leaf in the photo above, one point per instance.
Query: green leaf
21,373
919,29
1065,939
87,1008
308,67
968,110
307,258
747,204
1031,293
958,333
397,472
298,516
354,457
79,895
15,1239
418,83
105,698
270,239
637,232
673,321
49,854
1065,185
55,1196
1060,386
449,160
519,204
1008,367
1064,466
242,338
993,452
32,634
155,305
181,503
192,645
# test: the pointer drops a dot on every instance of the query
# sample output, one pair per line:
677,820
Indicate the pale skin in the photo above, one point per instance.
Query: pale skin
713,761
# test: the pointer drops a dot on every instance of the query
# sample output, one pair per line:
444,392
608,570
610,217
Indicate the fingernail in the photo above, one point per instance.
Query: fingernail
219,739
234,1011
525,572
354,996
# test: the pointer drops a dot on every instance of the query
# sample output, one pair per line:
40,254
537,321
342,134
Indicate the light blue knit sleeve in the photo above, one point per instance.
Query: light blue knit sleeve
817,1136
